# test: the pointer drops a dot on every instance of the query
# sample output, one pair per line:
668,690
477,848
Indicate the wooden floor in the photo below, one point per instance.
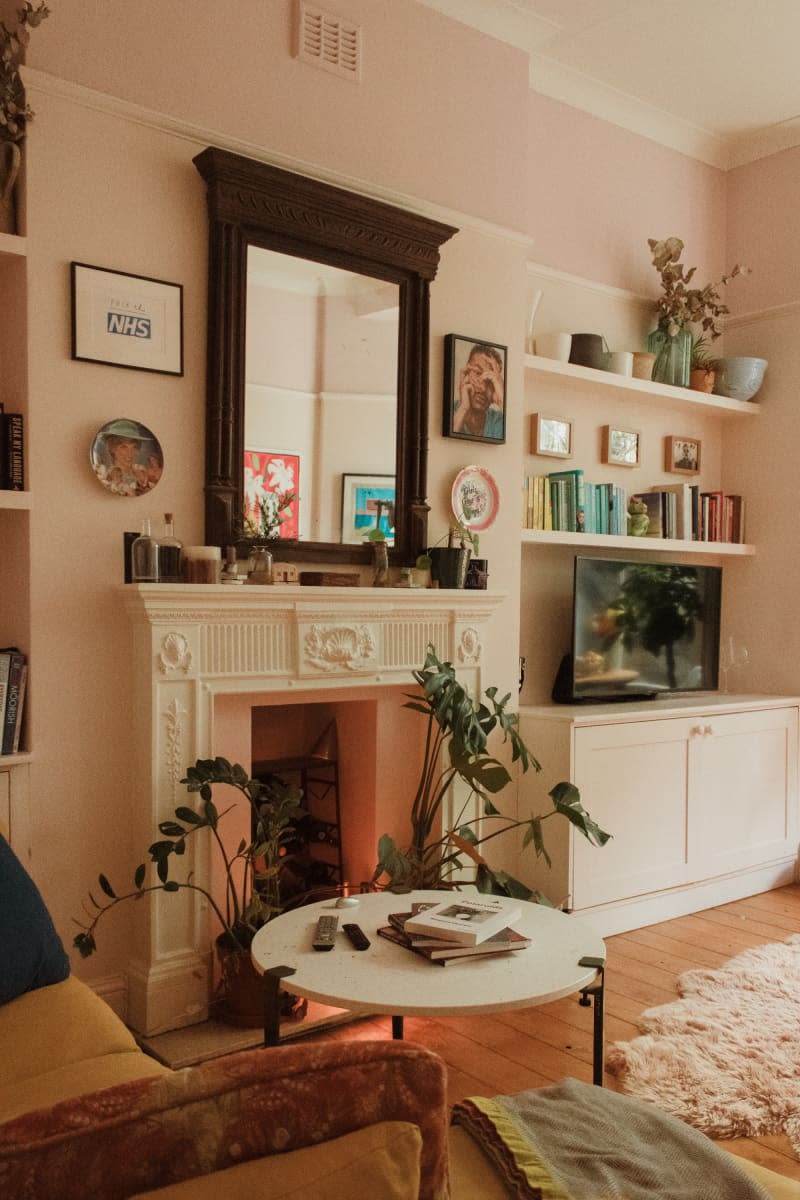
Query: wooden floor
509,1052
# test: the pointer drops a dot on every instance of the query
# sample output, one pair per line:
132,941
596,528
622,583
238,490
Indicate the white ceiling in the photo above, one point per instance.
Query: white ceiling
716,79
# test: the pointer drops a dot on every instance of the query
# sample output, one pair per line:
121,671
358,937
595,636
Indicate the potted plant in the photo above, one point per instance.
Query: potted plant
251,874
448,564
260,531
680,308
703,369
14,109
456,748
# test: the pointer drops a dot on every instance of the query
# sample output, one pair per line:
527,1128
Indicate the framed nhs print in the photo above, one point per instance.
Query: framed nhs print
474,389
126,320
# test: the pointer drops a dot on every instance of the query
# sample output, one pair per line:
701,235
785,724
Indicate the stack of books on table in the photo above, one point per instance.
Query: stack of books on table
457,930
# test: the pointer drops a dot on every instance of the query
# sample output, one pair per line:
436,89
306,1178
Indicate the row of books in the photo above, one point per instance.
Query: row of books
12,452
566,502
455,932
13,685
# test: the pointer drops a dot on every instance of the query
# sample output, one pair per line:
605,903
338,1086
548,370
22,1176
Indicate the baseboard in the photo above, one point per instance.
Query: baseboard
638,911
168,995
114,990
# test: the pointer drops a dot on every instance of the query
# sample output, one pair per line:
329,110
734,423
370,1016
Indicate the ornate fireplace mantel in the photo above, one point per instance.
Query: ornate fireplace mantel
193,643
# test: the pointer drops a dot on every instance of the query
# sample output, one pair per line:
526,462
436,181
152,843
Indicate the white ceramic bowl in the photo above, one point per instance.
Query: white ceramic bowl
739,378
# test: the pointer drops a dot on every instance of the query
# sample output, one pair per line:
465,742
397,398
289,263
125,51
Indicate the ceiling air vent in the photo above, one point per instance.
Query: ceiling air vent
328,42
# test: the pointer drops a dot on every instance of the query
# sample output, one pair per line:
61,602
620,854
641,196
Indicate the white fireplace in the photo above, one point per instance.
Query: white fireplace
204,655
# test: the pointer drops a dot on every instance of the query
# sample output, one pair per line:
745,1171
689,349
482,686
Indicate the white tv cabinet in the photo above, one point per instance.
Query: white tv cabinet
700,794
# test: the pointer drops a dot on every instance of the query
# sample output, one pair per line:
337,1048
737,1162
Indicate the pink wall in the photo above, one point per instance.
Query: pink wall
429,118
762,229
596,193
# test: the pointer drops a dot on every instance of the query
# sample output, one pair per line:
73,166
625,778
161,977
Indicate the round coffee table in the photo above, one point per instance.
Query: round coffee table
565,957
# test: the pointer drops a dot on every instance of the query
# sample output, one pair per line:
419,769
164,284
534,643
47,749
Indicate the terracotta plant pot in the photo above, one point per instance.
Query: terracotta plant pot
702,379
239,998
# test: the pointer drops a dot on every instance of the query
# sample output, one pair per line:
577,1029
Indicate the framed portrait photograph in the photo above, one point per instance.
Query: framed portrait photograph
621,447
367,503
474,389
682,455
126,320
272,472
551,436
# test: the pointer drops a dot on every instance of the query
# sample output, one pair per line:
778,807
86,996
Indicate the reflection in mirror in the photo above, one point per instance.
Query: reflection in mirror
320,395
253,205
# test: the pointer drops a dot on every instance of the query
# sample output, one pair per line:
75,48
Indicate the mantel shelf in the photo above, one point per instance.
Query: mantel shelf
608,541
641,389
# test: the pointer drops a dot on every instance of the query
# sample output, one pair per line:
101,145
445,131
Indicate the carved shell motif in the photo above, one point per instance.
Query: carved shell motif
175,654
341,647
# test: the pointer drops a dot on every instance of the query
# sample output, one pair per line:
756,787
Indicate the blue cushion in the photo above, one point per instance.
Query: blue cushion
32,954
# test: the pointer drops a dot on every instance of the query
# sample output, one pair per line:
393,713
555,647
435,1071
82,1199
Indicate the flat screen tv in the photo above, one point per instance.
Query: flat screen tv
640,630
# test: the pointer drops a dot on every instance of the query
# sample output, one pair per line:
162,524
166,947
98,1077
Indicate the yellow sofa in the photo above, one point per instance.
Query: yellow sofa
84,1112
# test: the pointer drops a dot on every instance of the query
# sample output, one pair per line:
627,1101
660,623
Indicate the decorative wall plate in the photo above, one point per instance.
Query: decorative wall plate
475,498
126,458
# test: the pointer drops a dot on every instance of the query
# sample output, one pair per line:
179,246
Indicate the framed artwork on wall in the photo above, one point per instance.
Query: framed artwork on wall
551,436
272,472
621,447
125,320
367,503
682,455
474,389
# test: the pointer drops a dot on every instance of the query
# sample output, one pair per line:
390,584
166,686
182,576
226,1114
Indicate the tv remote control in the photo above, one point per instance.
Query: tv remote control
358,939
325,933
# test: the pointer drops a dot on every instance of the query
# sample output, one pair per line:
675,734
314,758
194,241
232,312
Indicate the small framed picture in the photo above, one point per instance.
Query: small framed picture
621,447
126,320
368,503
682,455
551,436
474,389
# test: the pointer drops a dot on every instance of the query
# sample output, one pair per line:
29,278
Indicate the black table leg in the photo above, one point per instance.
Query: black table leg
397,1028
272,1003
596,991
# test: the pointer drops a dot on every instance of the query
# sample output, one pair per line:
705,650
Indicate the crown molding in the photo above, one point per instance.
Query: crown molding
589,285
609,104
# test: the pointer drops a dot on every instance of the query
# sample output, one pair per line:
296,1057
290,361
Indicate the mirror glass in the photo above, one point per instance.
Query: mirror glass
321,396
318,327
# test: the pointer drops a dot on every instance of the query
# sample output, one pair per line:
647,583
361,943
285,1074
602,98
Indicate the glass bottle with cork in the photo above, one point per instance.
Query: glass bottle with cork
169,553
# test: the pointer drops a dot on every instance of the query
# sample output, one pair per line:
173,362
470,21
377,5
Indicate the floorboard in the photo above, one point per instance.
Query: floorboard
530,1048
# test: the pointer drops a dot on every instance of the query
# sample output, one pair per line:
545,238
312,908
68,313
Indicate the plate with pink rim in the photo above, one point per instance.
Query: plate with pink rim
475,498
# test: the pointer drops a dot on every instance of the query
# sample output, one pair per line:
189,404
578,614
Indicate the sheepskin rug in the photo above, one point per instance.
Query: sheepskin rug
726,1057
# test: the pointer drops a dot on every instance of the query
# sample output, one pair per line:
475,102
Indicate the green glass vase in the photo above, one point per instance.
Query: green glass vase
673,355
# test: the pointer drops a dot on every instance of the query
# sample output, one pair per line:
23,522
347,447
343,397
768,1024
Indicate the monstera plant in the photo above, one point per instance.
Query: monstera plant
457,749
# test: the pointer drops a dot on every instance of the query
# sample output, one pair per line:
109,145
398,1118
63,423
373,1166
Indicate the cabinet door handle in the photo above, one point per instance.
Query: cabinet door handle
696,731
707,730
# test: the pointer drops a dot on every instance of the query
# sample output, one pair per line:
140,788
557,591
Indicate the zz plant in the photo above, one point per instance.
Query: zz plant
251,870
456,748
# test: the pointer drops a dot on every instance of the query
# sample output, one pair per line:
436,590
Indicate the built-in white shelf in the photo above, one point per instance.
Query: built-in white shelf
641,389
608,541
18,500
13,246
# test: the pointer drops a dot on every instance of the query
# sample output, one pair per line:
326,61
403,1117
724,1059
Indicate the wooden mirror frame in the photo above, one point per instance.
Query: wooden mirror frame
253,203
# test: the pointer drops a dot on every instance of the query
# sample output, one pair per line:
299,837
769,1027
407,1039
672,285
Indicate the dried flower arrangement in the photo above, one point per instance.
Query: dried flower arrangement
681,305
14,109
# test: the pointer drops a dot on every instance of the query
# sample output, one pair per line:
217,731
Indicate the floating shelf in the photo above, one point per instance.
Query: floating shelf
17,500
610,541
641,389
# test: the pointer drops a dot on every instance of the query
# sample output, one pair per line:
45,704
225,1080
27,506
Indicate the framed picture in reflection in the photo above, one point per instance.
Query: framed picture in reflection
272,472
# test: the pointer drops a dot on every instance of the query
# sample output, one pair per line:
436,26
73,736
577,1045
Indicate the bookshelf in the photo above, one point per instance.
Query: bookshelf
15,511
585,381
